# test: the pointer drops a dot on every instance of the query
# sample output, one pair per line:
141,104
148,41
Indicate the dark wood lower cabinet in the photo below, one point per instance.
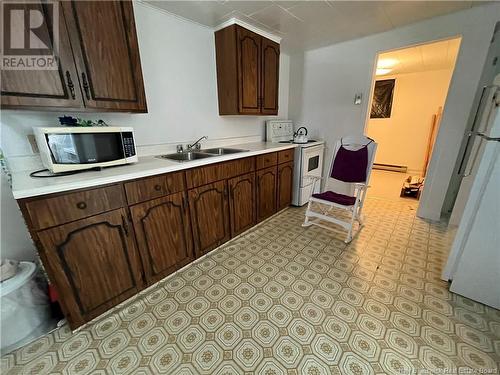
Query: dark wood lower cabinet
266,192
285,183
101,246
242,203
163,233
210,216
93,262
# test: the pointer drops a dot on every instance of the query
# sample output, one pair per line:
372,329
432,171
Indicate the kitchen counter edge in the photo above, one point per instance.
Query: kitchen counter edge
45,186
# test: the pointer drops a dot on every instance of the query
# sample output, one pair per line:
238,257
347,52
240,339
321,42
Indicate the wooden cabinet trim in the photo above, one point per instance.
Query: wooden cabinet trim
234,215
272,194
52,245
204,175
132,80
194,196
247,81
244,78
266,160
60,251
270,81
284,189
46,211
286,156
153,187
69,97
139,218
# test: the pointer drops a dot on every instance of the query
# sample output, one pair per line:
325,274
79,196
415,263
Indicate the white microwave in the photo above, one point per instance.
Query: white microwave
64,149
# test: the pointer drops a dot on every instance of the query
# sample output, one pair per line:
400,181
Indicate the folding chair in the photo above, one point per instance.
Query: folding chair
345,186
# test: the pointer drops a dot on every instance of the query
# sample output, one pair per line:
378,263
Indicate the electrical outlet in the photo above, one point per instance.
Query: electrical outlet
32,141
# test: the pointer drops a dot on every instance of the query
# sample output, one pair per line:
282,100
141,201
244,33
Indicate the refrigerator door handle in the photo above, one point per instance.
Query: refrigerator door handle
487,100
474,159
486,138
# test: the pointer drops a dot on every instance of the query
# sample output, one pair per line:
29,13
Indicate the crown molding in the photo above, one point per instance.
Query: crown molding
237,21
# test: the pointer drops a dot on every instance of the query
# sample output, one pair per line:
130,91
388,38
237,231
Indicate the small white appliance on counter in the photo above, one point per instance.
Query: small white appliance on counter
473,264
64,149
308,158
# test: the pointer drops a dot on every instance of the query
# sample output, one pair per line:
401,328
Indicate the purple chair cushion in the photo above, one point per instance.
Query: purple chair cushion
350,165
330,196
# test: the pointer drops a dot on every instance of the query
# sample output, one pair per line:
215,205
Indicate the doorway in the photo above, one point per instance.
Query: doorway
409,91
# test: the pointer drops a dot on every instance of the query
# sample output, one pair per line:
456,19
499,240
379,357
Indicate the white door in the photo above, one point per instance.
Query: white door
477,273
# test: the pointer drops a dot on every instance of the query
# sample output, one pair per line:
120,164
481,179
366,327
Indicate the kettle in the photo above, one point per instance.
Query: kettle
300,136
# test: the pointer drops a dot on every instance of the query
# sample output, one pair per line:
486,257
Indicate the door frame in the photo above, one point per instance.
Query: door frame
431,166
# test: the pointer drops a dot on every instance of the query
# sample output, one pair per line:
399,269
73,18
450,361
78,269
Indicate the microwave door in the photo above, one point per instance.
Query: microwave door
63,149
85,148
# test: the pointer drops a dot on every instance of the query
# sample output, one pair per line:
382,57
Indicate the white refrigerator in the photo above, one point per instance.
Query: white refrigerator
473,264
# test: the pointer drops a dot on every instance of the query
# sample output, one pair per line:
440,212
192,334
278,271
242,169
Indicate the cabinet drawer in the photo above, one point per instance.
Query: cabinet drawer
48,212
216,172
285,156
154,187
266,160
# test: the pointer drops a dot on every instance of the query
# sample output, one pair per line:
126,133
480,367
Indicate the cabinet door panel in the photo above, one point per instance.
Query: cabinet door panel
249,65
44,88
266,193
163,234
242,203
270,76
93,264
104,41
209,216
285,183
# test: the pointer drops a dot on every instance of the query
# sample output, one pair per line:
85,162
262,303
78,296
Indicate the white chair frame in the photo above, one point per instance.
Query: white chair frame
358,190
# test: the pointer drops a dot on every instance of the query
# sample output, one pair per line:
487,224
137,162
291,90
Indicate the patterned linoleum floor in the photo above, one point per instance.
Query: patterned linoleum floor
283,299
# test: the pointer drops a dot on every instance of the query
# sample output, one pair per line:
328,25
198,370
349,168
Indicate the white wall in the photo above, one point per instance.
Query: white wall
178,64
403,138
332,75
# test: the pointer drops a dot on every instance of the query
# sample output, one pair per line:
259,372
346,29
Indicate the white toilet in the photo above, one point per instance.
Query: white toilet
25,310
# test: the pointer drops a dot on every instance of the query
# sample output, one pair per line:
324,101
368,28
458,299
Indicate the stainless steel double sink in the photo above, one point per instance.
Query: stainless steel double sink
200,154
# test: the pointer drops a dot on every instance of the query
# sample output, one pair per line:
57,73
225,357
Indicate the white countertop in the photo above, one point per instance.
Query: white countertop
24,186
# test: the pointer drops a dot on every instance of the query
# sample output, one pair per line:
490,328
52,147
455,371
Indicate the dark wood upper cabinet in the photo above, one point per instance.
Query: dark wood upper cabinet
104,42
45,88
248,46
210,216
163,233
270,76
99,63
242,203
266,192
93,262
285,183
247,72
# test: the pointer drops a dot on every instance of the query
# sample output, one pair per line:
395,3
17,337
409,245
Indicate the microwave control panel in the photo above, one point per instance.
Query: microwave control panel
128,144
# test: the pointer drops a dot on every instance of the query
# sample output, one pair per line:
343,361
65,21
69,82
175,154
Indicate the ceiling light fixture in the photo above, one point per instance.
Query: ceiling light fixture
386,63
381,71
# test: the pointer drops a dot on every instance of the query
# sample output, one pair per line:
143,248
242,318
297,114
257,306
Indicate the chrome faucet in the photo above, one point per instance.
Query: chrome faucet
196,145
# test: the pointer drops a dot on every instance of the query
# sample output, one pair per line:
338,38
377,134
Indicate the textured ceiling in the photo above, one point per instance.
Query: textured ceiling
431,56
310,24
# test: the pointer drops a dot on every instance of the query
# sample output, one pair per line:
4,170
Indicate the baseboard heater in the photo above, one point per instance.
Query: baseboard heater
390,167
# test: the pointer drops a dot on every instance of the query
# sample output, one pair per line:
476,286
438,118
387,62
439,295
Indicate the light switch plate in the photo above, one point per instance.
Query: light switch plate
357,98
